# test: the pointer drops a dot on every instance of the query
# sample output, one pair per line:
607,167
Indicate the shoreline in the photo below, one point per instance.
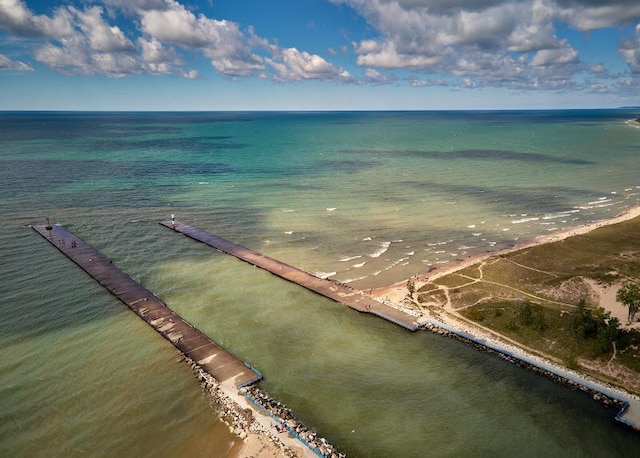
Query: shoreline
256,438
448,324
385,291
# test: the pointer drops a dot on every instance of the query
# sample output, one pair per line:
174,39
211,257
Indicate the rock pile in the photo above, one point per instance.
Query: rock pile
597,396
286,417
240,420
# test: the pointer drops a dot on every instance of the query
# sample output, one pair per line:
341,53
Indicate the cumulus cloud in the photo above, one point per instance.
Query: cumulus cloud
463,43
90,46
375,77
512,43
561,56
232,51
630,51
293,65
19,20
81,40
588,15
8,64
101,36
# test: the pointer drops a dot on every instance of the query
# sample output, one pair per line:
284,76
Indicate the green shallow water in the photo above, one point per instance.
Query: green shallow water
370,197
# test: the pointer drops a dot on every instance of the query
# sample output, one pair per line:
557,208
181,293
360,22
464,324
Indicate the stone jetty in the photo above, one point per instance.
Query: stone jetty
336,291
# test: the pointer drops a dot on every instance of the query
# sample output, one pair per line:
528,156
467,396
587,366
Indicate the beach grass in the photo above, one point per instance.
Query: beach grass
531,296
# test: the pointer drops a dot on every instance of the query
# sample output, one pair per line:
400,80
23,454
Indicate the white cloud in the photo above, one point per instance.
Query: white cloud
90,47
588,15
490,43
75,57
81,40
465,43
385,55
221,41
157,59
630,51
546,57
19,20
101,36
8,64
375,77
293,65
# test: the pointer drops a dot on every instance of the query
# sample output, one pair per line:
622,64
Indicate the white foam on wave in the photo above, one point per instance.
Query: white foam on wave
351,280
599,201
410,253
288,232
525,220
357,266
366,239
476,234
393,264
439,243
203,182
324,274
331,209
349,258
384,246
564,214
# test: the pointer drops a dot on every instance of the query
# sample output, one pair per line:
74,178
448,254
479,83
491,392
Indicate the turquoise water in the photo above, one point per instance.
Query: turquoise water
368,198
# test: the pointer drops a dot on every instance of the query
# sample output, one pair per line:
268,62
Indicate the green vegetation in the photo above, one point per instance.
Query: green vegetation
542,297
581,333
629,296
411,287
599,331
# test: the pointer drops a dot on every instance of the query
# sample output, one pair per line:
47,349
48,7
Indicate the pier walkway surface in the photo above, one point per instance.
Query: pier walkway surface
212,358
331,289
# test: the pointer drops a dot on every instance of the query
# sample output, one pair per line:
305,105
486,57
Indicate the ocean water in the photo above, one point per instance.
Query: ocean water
367,198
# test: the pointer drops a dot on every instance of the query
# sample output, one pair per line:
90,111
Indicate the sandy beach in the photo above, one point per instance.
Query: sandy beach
398,291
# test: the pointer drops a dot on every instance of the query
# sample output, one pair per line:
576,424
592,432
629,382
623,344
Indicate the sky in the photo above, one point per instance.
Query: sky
141,55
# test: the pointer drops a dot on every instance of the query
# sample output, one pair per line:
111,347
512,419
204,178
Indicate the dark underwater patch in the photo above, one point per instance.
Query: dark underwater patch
476,154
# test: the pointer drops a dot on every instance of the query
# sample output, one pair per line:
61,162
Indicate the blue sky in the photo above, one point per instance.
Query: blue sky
318,54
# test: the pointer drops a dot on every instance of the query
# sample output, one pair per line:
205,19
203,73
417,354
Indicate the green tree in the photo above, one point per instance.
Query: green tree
411,287
629,296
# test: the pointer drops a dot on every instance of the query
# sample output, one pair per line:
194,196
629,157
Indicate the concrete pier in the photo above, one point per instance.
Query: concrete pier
215,360
333,290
